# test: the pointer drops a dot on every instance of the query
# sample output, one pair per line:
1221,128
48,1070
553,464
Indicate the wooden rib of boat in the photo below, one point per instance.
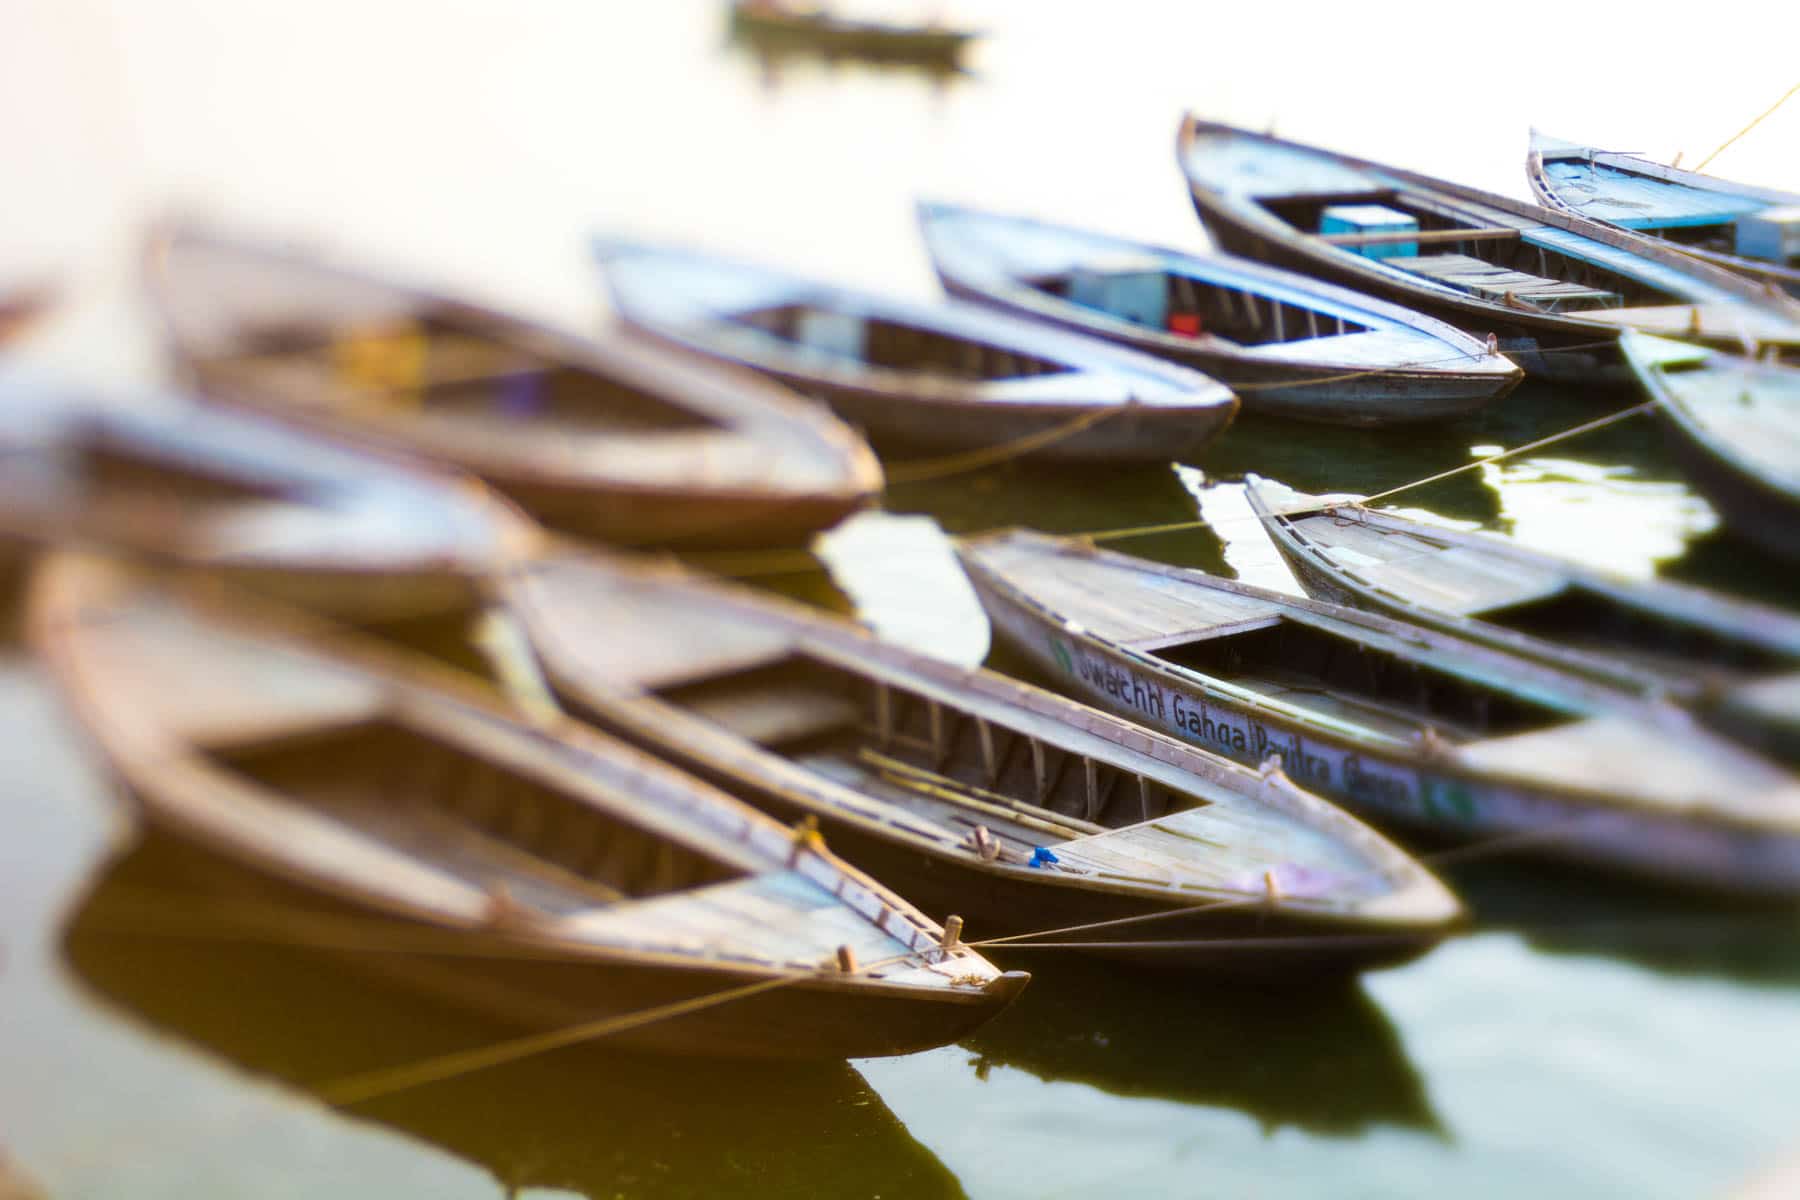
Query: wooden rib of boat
607,438
944,376
1697,214
362,536
780,26
1734,424
973,793
1288,345
1736,663
1396,720
542,874
1554,288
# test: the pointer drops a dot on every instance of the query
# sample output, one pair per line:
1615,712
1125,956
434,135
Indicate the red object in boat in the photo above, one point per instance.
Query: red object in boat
1185,324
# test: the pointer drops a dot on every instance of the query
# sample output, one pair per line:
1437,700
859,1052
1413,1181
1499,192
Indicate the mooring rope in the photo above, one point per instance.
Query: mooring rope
923,470
1587,427
386,1081
1758,120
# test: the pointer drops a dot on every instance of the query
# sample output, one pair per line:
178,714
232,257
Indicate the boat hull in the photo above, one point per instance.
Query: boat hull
1143,433
1408,789
1752,507
543,987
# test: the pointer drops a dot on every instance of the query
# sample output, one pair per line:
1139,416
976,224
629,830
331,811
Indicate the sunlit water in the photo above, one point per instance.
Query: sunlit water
1587,1041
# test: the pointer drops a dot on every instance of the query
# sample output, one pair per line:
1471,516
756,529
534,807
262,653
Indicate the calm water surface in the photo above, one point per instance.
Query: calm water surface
1586,1041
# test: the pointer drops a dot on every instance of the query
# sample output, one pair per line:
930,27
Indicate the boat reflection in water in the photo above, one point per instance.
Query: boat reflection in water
1322,1059
584,1119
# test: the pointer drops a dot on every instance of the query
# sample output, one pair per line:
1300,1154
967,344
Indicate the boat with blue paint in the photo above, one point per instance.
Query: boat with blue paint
947,376
1289,346
1554,288
1397,721
1754,231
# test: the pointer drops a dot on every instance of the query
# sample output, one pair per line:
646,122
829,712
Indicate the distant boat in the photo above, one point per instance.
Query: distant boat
363,536
1752,230
608,438
941,377
544,876
1395,720
1734,423
975,794
782,27
1555,289
1288,345
1736,663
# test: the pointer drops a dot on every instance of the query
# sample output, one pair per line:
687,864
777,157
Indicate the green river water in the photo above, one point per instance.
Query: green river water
1584,1040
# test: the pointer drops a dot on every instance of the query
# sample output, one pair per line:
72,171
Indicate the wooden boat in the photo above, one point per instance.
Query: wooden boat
973,793
1736,663
606,439
1712,219
1555,289
541,874
1395,720
353,533
1734,423
929,376
782,27
1288,345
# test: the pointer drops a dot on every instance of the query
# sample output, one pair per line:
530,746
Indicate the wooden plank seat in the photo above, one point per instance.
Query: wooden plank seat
782,913
1491,282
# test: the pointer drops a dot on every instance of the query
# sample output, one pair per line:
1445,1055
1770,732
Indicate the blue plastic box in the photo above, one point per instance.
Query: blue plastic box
1371,218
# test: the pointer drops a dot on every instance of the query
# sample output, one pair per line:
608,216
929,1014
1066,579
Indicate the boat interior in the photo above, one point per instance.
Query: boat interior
1753,405
470,817
337,771
1180,303
940,765
442,364
895,345
1680,650
1664,208
333,339
1350,681
1496,263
